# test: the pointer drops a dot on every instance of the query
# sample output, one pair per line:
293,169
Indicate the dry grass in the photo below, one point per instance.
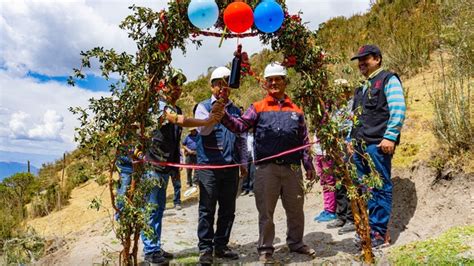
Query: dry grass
77,214
418,141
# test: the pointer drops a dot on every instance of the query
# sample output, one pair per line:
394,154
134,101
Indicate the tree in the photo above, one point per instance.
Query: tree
105,129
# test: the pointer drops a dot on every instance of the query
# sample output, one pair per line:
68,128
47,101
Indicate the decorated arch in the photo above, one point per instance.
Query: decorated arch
111,124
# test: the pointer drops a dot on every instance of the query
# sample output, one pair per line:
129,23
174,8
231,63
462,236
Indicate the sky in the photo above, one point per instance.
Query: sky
40,42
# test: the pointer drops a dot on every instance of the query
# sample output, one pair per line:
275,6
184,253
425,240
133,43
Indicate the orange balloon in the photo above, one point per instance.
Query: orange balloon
238,17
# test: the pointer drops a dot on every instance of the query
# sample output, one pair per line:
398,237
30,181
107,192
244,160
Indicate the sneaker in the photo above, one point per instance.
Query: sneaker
226,253
378,241
245,192
325,216
166,255
266,258
347,228
155,258
251,194
206,257
178,207
335,224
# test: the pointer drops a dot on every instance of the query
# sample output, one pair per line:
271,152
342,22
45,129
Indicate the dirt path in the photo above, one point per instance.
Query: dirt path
420,210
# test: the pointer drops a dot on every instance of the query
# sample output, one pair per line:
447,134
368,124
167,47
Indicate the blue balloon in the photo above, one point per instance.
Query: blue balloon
203,13
268,16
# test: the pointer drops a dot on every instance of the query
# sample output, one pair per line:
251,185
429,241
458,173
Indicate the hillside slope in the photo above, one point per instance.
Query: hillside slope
424,206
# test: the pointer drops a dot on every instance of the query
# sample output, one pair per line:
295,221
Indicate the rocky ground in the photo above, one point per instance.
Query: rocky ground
422,208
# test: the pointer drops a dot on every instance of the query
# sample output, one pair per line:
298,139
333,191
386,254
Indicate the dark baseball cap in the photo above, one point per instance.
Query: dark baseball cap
366,50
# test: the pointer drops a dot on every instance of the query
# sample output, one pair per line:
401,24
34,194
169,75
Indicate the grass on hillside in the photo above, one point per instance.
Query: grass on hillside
454,247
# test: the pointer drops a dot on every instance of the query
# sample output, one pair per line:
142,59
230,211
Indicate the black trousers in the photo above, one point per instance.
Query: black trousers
344,210
216,187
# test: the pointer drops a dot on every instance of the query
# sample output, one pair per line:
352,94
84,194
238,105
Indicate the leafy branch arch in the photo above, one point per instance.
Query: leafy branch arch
105,124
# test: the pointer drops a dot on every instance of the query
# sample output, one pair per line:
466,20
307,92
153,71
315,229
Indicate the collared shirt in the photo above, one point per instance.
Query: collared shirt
190,142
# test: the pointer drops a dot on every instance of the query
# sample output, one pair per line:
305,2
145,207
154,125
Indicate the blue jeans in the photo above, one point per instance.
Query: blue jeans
157,197
125,170
380,204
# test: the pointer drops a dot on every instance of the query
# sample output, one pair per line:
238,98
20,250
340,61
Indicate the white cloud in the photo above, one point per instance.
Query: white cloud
37,116
18,125
50,129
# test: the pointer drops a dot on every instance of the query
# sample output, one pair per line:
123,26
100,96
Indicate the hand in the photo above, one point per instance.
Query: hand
310,175
387,146
215,118
218,106
243,171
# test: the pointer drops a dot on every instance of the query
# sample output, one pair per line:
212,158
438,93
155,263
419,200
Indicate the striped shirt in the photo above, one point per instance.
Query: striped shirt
396,107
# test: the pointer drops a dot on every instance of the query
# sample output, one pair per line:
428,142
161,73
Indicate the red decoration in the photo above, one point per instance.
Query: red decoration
163,46
289,61
238,17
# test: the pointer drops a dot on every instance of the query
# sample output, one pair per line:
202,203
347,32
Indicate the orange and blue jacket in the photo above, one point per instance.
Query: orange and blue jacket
278,125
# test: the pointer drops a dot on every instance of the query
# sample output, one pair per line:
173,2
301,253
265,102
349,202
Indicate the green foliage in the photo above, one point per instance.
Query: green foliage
404,30
446,249
452,101
24,249
78,173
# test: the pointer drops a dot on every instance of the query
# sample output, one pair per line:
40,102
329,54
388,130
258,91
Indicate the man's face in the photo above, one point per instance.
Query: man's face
368,64
193,132
173,92
220,89
275,86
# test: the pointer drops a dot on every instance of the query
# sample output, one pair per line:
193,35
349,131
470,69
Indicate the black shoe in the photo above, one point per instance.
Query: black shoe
166,255
226,253
335,224
155,258
206,257
347,228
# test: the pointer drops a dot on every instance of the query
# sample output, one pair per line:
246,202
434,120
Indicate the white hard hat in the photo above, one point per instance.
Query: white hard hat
274,69
219,73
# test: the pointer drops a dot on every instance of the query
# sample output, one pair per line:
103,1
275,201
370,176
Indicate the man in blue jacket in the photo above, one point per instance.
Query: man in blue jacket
216,145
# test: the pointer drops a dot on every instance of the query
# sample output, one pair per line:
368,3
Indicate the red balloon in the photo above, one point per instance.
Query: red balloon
238,17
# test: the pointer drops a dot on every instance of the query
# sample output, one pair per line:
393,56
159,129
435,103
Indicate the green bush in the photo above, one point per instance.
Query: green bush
78,173
452,101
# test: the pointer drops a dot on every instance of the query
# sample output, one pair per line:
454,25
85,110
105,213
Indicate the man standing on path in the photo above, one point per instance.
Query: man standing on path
278,125
216,145
164,146
380,107
189,147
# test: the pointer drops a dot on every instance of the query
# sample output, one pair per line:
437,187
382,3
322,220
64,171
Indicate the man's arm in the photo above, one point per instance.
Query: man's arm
396,107
243,123
181,120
